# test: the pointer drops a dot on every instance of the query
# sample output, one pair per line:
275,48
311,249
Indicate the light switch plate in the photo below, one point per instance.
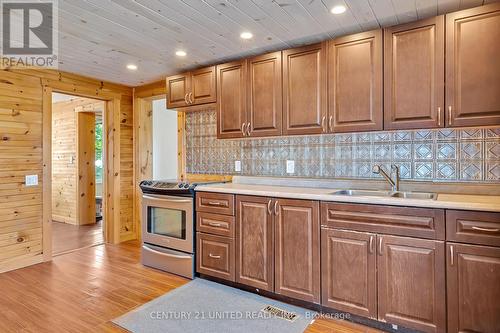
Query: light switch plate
237,166
290,166
31,180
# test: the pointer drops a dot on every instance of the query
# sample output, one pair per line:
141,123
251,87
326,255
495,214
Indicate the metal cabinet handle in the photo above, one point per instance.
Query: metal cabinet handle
213,224
191,98
380,246
213,256
439,116
269,207
323,123
276,211
449,115
215,203
185,99
452,255
249,129
243,129
485,229
371,245
330,123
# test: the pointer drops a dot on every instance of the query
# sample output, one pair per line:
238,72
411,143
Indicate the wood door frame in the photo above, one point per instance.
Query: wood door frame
111,156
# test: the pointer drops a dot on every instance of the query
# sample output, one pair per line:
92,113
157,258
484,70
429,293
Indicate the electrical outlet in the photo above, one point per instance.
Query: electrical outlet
290,166
394,327
31,180
237,166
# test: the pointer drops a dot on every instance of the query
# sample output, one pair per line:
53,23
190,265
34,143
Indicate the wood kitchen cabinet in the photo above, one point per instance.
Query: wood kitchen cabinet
473,288
411,282
472,66
231,100
349,271
297,249
265,95
414,75
355,86
304,90
254,242
191,88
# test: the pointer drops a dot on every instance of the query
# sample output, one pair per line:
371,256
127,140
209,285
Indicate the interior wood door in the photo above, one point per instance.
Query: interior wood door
254,242
349,271
473,288
355,82
414,75
265,95
178,88
231,99
304,90
472,66
411,283
297,249
203,86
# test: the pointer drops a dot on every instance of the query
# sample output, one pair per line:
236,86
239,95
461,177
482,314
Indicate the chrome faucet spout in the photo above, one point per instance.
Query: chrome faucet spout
377,169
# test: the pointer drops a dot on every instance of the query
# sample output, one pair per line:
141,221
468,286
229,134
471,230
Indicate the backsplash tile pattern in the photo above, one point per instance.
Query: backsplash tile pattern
457,155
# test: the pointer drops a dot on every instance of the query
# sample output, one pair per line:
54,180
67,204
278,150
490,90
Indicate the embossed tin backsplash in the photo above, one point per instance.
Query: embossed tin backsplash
456,155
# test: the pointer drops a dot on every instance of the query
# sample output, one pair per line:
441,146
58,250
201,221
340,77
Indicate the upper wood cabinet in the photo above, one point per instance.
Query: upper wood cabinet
304,90
473,288
473,66
355,82
231,99
297,249
414,75
254,242
191,88
264,95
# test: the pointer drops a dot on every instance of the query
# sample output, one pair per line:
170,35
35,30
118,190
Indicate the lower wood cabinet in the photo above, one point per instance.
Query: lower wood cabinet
254,242
473,288
349,271
215,256
411,283
297,249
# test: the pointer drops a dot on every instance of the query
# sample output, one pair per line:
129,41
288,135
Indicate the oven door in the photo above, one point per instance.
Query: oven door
167,221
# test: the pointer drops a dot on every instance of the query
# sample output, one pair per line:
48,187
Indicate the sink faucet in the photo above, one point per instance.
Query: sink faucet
377,169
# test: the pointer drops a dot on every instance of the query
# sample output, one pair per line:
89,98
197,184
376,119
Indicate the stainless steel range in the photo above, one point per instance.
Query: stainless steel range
168,226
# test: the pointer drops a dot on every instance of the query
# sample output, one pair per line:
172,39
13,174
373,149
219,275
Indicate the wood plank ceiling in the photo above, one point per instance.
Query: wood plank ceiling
99,38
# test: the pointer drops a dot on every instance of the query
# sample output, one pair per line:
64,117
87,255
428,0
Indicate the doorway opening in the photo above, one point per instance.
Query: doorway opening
77,172
165,141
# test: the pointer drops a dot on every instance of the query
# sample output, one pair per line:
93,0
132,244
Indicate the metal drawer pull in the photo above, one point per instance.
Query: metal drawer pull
213,256
276,211
269,207
439,116
371,245
452,255
213,224
485,229
449,115
243,129
380,246
215,203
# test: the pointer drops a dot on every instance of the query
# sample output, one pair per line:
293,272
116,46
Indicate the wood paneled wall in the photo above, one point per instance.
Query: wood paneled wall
24,150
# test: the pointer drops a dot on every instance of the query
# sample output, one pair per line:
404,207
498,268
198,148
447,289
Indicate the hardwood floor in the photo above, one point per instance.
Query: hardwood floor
83,290
67,237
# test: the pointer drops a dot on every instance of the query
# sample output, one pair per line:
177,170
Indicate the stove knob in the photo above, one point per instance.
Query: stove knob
186,185
181,185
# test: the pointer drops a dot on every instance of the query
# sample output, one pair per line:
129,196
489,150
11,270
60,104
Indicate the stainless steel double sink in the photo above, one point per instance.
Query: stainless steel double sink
387,194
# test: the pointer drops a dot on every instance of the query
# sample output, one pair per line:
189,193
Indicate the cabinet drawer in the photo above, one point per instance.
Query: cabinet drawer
404,221
215,256
473,227
218,203
222,225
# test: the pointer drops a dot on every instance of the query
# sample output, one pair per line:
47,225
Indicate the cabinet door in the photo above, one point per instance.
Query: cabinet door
178,88
411,283
472,66
348,272
231,99
355,83
473,288
215,256
414,75
254,242
265,100
297,249
304,90
203,85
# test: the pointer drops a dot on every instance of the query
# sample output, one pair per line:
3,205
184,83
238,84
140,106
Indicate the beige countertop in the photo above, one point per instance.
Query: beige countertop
444,200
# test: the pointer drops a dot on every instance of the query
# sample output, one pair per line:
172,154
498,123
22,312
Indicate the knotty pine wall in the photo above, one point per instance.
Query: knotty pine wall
21,153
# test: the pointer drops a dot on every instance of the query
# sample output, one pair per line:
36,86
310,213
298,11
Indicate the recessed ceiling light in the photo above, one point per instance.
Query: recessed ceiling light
132,67
338,9
181,53
246,35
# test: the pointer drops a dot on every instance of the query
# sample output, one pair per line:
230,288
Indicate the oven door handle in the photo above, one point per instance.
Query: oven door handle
165,198
165,253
